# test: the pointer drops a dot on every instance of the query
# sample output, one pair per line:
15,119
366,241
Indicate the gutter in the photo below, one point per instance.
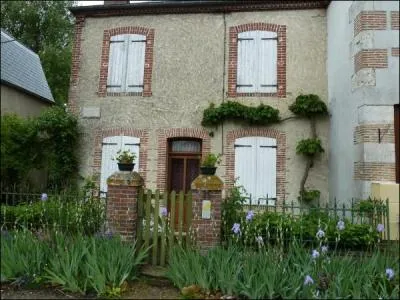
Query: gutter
181,7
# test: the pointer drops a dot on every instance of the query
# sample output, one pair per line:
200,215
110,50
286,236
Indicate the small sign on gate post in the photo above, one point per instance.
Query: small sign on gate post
206,209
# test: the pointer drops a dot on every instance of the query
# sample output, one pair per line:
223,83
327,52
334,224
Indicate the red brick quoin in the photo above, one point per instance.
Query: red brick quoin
233,52
143,148
280,156
148,60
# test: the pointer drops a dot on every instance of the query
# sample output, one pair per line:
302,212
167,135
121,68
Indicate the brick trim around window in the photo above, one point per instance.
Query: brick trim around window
100,134
233,52
162,145
280,156
148,60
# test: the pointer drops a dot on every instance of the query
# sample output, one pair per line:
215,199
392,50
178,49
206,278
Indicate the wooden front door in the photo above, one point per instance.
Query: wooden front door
183,166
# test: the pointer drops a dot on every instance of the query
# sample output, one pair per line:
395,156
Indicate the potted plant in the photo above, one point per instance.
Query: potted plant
125,160
209,164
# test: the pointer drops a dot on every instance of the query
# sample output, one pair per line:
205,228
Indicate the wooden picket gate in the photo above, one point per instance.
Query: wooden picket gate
161,233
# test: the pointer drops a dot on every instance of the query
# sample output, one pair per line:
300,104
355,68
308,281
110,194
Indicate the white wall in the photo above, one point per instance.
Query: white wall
347,99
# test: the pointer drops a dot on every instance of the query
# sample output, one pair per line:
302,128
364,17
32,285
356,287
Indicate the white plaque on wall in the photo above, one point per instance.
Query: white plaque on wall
206,209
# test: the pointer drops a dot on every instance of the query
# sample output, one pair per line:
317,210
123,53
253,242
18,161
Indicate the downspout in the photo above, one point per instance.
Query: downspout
223,83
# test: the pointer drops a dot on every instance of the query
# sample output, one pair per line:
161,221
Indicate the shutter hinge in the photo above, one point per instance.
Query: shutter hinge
138,41
240,146
244,85
109,143
135,85
245,39
275,38
268,146
136,144
268,85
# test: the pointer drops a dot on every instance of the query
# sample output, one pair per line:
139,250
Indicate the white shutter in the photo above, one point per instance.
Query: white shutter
247,62
267,52
266,169
132,144
117,63
110,147
135,65
245,163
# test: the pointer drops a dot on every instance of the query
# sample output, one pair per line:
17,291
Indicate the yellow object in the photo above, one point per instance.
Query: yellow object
389,191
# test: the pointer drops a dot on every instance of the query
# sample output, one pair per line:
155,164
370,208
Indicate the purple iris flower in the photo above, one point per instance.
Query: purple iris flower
236,228
44,197
250,215
380,228
164,211
308,280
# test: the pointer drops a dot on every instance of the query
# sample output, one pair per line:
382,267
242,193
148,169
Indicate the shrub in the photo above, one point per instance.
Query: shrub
73,216
49,140
280,229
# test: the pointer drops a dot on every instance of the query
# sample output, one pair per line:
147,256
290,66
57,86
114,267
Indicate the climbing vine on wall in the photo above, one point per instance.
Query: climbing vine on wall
308,106
235,111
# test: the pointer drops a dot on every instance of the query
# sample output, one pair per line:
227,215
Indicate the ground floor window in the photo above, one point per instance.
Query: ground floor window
255,168
110,146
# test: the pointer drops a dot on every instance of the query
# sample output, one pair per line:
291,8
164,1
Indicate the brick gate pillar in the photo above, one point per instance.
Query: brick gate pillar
206,210
122,198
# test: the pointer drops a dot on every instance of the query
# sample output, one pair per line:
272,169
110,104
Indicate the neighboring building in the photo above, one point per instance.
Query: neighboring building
24,88
142,75
363,88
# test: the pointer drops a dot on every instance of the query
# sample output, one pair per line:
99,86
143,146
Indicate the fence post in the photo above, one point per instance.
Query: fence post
206,220
122,203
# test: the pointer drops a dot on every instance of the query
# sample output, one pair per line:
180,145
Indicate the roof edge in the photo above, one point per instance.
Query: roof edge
178,7
49,101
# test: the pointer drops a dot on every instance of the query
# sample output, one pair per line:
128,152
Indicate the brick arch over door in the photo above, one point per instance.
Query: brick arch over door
148,59
233,58
143,148
162,145
280,155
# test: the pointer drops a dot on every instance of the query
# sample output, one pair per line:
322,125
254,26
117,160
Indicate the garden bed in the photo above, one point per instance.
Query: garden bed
140,289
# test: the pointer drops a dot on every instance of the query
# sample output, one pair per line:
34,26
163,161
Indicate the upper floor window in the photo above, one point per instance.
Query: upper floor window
257,62
126,63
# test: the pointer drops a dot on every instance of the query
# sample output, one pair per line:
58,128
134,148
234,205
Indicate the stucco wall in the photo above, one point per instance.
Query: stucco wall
350,94
20,103
189,72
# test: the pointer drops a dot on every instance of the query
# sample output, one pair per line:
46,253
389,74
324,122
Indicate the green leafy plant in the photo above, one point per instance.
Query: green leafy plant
48,141
235,111
309,106
211,160
309,147
125,157
309,195
297,273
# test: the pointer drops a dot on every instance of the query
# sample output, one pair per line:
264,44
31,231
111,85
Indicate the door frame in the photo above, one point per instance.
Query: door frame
183,155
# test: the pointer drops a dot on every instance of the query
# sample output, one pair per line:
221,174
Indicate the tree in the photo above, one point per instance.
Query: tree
46,27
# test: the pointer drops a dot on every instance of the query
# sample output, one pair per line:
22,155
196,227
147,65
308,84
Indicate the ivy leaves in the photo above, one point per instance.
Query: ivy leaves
235,111
309,147
309,106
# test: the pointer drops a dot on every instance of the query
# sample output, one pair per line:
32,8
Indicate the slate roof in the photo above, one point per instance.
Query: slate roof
21,68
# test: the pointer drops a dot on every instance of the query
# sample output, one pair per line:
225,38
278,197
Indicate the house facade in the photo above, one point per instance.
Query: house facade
24,88
143,74
363,88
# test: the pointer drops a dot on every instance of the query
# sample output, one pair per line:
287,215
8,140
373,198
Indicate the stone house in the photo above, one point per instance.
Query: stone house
24,88
143,73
